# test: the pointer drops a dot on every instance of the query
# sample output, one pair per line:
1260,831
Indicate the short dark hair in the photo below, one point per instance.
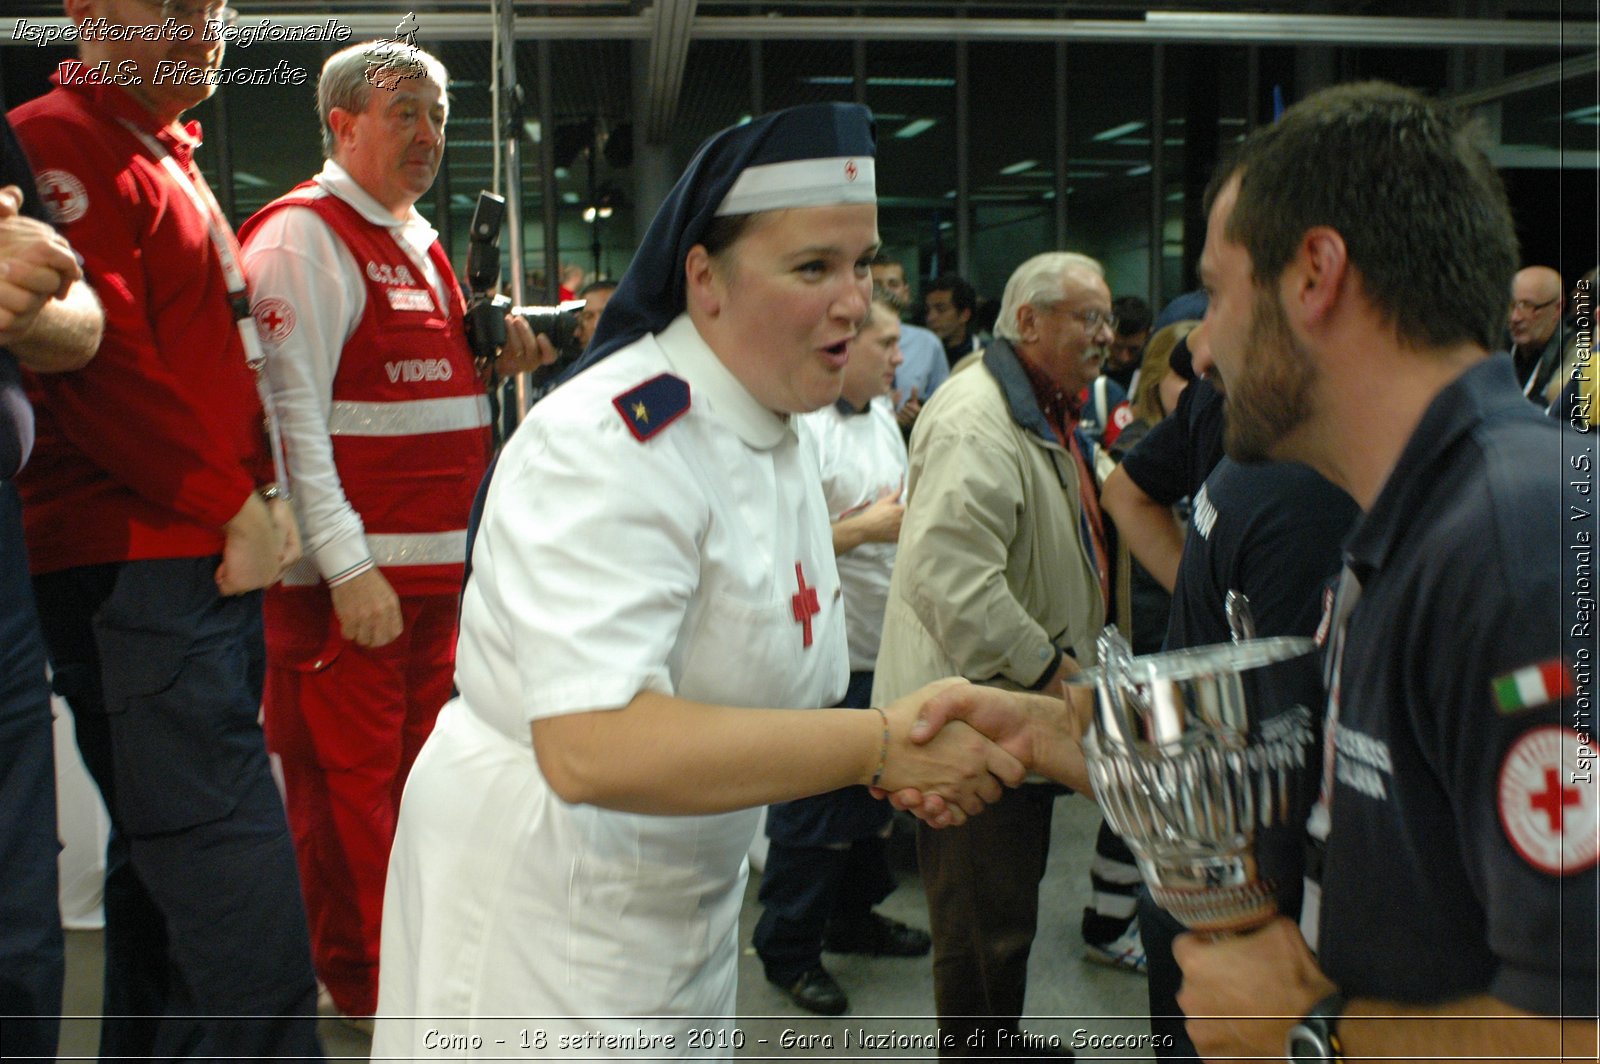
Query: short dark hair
962,295
1133,315
1405,182
602,285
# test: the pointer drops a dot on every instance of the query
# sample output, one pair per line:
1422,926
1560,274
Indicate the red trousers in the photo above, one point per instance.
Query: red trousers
347,722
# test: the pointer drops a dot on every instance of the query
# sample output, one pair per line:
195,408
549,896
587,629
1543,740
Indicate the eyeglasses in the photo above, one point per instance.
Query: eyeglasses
184,11
1528,306
1092,319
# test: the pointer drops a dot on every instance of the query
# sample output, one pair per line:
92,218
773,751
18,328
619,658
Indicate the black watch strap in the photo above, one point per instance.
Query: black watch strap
1316,1038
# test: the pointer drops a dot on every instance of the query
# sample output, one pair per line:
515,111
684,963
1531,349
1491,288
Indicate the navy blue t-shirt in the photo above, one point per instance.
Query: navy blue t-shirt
1461,857
1180,450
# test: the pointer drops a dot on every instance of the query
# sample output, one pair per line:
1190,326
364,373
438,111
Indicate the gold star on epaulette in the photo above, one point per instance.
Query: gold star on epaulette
641,412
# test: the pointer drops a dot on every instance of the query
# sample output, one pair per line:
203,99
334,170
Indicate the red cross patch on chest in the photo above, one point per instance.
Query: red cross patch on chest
805,603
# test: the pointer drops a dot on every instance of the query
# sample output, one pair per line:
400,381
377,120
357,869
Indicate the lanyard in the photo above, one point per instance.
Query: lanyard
1320,822
238,290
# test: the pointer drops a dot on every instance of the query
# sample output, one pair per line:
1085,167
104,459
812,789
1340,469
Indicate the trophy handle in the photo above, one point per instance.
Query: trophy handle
1241,624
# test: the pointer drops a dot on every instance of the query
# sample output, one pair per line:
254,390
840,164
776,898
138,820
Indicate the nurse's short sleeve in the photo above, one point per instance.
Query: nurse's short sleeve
585,564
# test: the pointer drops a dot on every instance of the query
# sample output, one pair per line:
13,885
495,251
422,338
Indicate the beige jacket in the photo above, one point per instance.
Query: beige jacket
992,572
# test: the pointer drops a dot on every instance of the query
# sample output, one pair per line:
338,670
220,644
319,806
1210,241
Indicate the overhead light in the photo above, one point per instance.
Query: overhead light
562,173
914,127
588,214
1587,115
1139,171
1119,131
912,83
1086,174
248,180
883,81
532,130
569,197
1019,167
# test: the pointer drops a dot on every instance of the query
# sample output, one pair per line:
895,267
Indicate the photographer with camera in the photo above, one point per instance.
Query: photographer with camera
386,427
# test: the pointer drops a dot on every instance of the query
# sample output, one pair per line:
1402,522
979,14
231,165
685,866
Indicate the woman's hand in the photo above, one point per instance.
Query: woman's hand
959,766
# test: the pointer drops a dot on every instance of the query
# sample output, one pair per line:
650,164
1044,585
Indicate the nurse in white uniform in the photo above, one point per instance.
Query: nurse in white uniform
653,575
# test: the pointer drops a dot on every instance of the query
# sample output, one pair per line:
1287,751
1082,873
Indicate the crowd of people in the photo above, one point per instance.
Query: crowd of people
768,545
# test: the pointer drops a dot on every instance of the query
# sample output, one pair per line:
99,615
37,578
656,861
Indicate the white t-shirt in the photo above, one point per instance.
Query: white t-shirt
861,455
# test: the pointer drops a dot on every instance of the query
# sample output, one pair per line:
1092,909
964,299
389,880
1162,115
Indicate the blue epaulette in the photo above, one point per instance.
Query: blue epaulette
652,406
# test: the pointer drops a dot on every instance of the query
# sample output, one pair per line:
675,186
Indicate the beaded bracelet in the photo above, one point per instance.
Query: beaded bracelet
883,752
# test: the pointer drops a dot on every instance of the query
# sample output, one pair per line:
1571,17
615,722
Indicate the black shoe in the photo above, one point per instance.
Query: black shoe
878,936
816,991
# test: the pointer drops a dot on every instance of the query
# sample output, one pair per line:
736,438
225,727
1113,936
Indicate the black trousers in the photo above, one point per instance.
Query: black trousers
806,888
207,953
32,964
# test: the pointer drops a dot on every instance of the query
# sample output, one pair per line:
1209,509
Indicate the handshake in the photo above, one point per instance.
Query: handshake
955,746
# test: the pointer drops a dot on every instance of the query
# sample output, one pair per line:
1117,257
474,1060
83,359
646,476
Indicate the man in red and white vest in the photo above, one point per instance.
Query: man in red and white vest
386,431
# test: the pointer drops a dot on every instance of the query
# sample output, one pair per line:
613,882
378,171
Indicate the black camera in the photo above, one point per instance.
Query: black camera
486,323
487,310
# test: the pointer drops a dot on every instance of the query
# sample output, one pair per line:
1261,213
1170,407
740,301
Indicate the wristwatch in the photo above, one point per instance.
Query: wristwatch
1314,1039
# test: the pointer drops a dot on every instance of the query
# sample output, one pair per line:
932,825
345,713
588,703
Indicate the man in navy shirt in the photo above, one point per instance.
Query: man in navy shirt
1354,255
49,321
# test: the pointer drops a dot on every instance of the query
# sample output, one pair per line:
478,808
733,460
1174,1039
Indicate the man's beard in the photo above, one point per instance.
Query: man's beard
1270,395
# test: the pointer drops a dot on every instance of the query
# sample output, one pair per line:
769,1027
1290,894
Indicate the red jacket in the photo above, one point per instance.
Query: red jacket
156,444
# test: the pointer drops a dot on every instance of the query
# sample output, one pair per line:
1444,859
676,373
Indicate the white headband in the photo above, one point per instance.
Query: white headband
802,183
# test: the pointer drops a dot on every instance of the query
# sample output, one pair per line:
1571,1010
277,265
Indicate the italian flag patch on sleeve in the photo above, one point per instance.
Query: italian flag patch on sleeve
1532,686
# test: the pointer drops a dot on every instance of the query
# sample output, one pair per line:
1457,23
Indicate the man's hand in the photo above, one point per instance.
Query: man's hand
1044,733
874,522
523,351
368,610
908,411
288,533
250,549
36,266
961,767
1243,992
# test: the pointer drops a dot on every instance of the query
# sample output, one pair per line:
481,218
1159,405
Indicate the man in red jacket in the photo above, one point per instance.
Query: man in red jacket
152,523
387,431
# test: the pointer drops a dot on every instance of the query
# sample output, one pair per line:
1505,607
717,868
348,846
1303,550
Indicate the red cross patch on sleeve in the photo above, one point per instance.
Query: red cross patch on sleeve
1548,800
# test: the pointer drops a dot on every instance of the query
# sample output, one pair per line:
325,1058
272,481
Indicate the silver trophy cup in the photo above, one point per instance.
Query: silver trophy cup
1190,767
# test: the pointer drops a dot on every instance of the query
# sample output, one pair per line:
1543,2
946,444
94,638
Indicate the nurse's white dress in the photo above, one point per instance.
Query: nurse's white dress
605,566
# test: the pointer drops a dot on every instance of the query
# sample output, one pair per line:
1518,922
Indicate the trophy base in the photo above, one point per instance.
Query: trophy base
1215,910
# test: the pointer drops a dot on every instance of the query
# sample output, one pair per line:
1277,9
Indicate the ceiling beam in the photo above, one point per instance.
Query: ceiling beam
1554,73
671,23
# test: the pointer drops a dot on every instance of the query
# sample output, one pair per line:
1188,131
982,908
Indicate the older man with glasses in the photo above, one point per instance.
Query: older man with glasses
1001,578
1537,335
153,521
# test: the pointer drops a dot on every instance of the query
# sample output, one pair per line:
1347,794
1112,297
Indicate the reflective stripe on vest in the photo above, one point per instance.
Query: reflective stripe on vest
414,418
